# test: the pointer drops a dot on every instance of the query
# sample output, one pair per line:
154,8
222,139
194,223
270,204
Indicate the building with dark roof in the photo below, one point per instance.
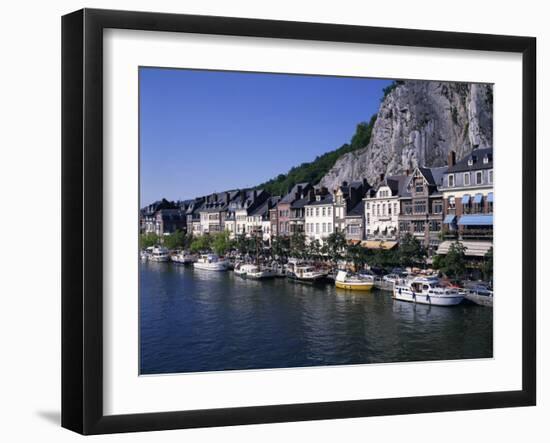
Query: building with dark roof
241,207
382,208
346,197
213,211
468,198
355,222
319,216
289,219
421,212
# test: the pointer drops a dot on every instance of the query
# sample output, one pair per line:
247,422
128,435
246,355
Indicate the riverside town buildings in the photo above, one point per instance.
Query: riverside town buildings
436,205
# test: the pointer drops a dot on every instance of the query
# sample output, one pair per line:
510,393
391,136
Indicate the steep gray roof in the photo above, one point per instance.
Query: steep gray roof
477,156
358,210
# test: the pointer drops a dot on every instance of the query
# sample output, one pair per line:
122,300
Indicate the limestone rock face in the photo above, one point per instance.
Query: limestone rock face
418,124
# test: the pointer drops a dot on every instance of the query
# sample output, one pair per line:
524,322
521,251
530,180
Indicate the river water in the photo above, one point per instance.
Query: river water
192,321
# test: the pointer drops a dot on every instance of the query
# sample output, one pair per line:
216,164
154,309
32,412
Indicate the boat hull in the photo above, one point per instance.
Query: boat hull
210,266
307,280
354,286
427,299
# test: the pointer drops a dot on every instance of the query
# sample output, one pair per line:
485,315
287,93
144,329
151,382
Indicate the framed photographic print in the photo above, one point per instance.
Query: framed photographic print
269,221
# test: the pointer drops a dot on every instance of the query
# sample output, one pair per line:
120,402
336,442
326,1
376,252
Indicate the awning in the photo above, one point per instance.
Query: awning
449,219
476,220
478,198
473,248
354,242
378,244
490,197
466,199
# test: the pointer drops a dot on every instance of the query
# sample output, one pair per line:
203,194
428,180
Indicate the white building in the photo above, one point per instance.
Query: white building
382,209
320,217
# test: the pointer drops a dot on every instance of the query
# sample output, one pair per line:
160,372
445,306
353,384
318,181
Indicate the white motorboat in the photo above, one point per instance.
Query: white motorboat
184,258
304,273
260,273
241,269
354,282
211,262
427,291
144,255
159,254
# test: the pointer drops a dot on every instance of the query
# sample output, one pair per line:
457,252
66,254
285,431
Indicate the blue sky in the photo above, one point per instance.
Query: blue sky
207,131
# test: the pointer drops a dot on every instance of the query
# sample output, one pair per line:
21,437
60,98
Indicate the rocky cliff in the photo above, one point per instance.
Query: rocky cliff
418,123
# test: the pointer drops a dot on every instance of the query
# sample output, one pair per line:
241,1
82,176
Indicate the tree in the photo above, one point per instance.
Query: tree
298,244
454,264
313,250
487,267
357,255
221,243
411,251
147,240
280,247
336,245
175,240
202,243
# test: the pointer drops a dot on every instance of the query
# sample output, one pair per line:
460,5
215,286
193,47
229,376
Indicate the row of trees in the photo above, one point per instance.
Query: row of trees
410,252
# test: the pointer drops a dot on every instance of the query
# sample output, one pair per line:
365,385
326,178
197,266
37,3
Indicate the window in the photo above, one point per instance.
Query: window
407,208
317,212
451,180
479,177
438,207
419,185
317,228
324,211
368,206
329,211
324,227
490,175
395,208
389,209
466,179
420,207
330,228
383,208
452,203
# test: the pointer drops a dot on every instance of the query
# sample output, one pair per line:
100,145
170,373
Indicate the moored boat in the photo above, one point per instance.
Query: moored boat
428,291
241,269
159,254
305,273
260,273
210,262
354,282
184,258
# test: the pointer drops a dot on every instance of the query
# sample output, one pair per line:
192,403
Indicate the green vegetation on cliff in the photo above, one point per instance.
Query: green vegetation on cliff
313,172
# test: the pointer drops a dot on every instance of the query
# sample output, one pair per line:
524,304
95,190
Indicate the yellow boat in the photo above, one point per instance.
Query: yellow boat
344,280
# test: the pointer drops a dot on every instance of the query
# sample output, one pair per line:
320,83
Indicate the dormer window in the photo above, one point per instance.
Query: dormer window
470,161
485,160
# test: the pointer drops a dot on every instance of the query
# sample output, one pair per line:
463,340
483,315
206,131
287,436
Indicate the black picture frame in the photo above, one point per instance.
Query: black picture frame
82,215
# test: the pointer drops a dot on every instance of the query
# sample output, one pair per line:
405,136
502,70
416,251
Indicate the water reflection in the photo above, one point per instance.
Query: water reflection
195,320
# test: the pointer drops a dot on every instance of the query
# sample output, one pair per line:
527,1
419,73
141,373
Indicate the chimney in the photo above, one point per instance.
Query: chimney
382,177
408,172
365,185
254,194
451,158
344,183
227,197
